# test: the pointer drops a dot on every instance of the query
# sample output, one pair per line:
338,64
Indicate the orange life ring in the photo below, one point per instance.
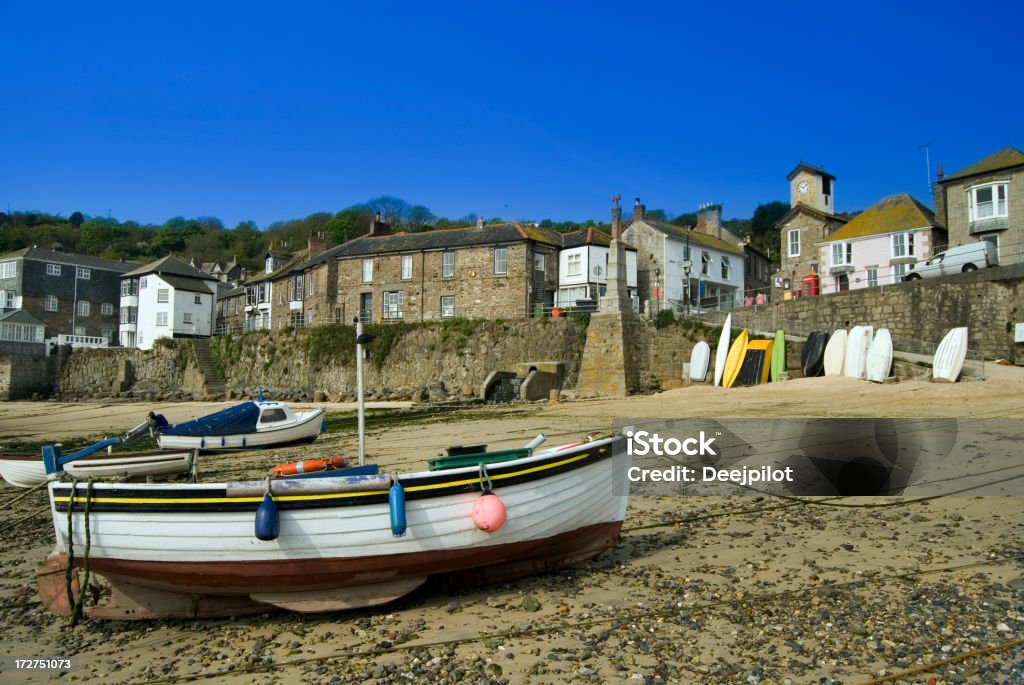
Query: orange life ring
309,466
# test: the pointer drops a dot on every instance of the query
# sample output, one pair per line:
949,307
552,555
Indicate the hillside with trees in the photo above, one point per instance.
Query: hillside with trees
206,239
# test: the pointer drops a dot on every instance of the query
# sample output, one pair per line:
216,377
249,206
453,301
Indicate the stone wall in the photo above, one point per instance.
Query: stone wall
22,376
159,373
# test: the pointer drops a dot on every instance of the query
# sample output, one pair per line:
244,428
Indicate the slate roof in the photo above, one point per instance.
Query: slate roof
589,236
69,258
889,215
169,266
680,233
808,167
190,285
495,234
1006,158
20,316
294,264
816,213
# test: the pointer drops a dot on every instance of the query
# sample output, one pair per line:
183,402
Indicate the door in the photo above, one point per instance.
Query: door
366,307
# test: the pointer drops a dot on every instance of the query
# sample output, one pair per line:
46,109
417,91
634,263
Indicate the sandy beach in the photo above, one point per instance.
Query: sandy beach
699,590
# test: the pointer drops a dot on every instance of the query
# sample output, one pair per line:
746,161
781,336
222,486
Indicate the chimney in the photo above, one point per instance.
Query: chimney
616,218
480,222
940,172
709,219
639,211
315,244
378,227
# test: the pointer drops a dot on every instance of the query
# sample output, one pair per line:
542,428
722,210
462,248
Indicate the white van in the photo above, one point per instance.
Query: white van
956,260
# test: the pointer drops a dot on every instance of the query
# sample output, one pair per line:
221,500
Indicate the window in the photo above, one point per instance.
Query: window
309,285
280,292
161,318
367,271
794,242
250,296
447,264
902,245
142,283
82,308
7,299
538,262
872,278
51,303
393,305
129,314
725,268
79,330
53,269
987,202
500,261
900,270
705,263
842,254
447,307
106,309
406,267
574,264
129,287
295,288
186,317
162,294
273,415
107,334
8,269
83,273
199,299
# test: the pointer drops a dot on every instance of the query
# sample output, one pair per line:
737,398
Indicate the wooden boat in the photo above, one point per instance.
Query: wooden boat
723,349
879,361
257,423
949,357
191,550
835,353
30,470
812,356
734,362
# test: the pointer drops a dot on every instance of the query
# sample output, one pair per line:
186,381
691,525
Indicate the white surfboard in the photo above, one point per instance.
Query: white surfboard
949,358
857,344
723,349
699,359
880,356
835,353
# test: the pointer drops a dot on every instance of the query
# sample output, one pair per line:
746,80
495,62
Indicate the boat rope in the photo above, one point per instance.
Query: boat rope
485,480
76,605
623,617
23,495
15,524
924,668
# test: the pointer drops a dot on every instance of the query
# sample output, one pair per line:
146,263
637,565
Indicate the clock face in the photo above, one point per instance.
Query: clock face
803,187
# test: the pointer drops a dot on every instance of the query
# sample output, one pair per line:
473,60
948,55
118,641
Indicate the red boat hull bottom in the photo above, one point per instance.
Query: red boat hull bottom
149,589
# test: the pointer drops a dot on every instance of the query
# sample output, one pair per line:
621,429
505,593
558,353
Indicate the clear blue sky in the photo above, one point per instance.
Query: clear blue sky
273,111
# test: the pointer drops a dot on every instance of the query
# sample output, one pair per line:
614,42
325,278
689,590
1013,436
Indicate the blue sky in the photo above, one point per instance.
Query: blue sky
273,111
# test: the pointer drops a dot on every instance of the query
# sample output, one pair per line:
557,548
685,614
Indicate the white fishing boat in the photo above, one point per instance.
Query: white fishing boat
253,424
30,470
330,543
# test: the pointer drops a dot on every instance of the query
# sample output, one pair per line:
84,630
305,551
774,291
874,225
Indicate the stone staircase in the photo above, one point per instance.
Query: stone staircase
213,383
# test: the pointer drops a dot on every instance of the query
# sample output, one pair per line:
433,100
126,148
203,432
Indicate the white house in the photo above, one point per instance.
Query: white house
879,246
166,299
583,268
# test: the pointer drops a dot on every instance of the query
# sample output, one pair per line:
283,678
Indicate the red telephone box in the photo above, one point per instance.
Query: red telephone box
810,284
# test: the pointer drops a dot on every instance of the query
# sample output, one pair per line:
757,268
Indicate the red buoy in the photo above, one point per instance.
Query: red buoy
489,512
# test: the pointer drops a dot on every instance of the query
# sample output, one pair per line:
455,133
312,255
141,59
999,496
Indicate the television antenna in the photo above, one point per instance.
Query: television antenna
927,163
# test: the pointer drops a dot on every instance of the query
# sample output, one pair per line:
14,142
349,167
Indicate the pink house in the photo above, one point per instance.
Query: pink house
880,245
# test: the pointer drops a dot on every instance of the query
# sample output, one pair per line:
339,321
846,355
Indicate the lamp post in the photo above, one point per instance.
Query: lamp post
361,339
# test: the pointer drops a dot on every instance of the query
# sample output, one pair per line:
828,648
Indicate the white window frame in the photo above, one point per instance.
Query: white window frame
161,318
163,295
842,253
142,283
82,308
309,283
872,277
574,264
106,309
367,271
538,262
53,269
705,263
83,273
447,264
52,303
407,267
447,306
793,242
901,245
999,203
8,298
186,317
393,304
901,270
198,299
726,268
8,269
500,261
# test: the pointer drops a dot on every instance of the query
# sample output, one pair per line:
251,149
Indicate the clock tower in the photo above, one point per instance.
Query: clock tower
812,187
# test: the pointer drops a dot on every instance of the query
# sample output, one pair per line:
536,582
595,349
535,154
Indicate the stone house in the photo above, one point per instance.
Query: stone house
294,293
681,268
230,310
985,201
583,269
502,270
71,294
259,289
810,221
757,266
167,298
880,245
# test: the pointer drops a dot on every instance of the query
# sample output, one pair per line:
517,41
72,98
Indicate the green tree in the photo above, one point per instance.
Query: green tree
766,216
76,219
348,224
